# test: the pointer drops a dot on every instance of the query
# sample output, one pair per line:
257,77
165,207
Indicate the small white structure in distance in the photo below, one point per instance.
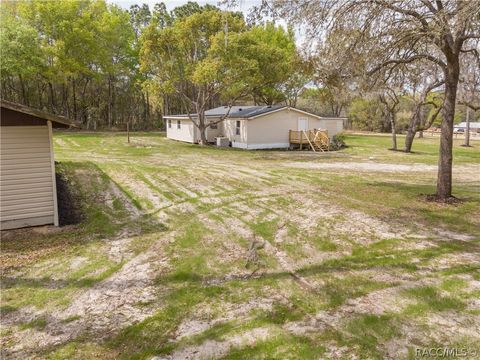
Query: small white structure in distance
251,127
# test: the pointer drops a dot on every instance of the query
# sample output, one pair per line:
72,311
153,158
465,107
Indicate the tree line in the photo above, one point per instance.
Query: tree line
104,66
75,58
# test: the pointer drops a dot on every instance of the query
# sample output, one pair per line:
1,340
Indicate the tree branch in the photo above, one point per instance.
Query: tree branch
430,6
470,105
397,9
431,120
408,61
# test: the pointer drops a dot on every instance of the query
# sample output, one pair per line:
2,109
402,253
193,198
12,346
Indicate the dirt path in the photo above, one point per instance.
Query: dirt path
375,166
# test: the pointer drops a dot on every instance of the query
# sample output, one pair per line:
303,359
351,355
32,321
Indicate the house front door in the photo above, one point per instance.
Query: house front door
302,124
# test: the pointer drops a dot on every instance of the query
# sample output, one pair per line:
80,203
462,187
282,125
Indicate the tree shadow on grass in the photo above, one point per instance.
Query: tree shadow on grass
370,258
406,205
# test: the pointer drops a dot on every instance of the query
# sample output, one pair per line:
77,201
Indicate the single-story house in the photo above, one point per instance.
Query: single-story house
28,195
251,127
474,126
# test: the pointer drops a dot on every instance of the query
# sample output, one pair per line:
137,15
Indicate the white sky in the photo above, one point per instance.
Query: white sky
244,5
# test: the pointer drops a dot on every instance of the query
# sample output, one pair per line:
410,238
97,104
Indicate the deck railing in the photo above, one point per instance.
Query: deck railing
317,139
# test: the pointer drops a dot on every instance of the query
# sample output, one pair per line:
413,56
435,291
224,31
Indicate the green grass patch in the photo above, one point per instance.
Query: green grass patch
280,314
150,337
454,284
367,332
205,267
279,346
266,229
37,324
429,299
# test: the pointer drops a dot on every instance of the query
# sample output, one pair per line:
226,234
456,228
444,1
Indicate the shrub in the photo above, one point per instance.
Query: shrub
337,142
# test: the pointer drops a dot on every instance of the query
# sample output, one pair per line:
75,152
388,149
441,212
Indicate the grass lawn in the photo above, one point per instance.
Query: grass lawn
200,253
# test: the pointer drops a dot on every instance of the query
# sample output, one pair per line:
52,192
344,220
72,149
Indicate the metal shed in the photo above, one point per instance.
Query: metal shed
28,195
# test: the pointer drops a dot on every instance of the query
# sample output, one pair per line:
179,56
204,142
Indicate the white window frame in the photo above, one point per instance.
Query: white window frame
179,124
237,127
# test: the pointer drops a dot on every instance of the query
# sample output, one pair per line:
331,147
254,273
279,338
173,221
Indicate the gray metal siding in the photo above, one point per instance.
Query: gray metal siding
26,182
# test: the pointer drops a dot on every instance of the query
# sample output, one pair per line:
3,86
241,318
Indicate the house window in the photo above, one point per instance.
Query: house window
169,123
179,124
237,127
213,126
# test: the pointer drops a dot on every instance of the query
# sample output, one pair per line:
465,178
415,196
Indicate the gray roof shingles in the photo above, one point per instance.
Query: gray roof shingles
238,111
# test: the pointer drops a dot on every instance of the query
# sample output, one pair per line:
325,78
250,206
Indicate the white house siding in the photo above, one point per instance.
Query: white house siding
213,133
333,126
238,141
27,182
187,131
268,131
272,130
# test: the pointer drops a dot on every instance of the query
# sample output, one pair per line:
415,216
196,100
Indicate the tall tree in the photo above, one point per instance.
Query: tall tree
276,54
22,57
179,58
390,100
77,58
366,114
210,57
403,32
337,65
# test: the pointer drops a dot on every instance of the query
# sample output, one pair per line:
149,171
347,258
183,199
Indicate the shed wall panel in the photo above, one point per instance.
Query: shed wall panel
26,183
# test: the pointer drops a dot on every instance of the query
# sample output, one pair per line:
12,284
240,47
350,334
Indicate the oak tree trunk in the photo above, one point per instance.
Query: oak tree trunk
467,128
444,177
202,127
52,97
409,139
412,128
394,132
110,101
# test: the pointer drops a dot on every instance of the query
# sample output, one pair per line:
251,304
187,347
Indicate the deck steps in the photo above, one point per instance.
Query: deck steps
317,140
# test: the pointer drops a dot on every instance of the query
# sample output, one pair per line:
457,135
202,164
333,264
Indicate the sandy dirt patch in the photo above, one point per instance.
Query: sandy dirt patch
204,319
359,166
101,310
214,349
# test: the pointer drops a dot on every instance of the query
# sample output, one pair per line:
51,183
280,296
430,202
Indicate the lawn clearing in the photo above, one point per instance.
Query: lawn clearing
346,260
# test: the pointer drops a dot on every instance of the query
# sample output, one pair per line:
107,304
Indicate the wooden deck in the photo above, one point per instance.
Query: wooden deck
317,140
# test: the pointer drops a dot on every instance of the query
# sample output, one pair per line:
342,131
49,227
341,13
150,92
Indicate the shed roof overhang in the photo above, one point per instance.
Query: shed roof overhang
11,112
